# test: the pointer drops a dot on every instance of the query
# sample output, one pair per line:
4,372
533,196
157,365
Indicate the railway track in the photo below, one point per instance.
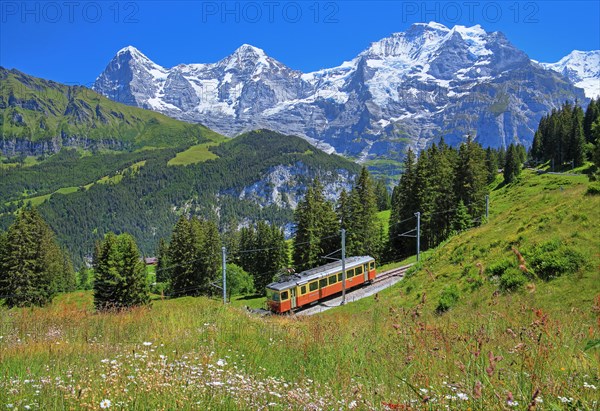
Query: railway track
396,272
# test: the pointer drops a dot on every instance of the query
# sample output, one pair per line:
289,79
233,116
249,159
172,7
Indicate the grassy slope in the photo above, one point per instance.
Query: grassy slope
195,154
35,109
392,349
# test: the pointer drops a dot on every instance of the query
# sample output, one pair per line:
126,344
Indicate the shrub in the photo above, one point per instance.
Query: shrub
593,189
448,299
498,268
512,279
553,259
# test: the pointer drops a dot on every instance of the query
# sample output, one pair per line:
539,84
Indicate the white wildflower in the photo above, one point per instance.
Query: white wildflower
352,405
511,403
147,343
423,390
590,386
221,362
105,404
462,396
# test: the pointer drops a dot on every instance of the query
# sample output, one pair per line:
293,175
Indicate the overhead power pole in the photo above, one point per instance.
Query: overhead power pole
343,267
224,264
418,214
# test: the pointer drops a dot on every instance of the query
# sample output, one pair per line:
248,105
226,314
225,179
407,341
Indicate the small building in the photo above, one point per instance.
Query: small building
151,261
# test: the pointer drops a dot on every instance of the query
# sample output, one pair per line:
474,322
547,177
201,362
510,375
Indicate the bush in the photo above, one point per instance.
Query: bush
512,280
448,299
553,259
498,268
593,189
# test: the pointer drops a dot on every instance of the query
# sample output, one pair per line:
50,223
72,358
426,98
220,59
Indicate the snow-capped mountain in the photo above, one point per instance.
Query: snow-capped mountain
406,89
582,68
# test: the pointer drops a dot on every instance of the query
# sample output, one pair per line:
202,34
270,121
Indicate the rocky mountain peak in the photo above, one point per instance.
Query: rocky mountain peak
407,89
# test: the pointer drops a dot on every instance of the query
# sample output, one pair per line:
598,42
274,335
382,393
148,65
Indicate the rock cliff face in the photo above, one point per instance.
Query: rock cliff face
406,89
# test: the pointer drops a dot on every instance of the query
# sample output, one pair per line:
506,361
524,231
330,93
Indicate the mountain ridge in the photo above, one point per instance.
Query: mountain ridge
39,116
407,89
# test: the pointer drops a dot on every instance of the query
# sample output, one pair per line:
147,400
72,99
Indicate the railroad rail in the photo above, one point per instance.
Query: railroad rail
395,272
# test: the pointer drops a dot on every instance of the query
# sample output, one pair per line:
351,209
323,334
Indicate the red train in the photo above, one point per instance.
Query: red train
298,290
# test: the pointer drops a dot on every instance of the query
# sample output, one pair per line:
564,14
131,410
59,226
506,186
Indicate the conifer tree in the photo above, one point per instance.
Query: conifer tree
120,274
182,255
383,196
32,264
317,227
592,114
461,220
577,139
208,254
512,166
248,241
163,274
491,163
471,177
404,205
85,279
364,232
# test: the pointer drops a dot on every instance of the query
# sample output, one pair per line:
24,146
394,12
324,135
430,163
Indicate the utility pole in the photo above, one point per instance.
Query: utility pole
418,214
343,267
224,264
487,207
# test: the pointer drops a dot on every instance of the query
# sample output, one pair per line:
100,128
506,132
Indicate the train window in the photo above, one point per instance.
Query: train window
313,286
272,295
332,279
372,265
303,289
359,270
340,277
284,295
350,273
323,282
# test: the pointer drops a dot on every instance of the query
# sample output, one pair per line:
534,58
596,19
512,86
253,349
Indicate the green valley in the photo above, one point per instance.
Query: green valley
531,346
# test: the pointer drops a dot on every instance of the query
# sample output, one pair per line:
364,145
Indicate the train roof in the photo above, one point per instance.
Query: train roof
317,272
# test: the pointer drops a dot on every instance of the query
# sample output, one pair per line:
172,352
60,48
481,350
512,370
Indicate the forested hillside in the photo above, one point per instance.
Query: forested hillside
256,176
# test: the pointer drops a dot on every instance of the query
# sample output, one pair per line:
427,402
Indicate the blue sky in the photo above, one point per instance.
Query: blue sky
71,42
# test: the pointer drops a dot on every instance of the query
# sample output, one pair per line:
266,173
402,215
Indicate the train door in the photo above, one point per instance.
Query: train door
366,273
293,297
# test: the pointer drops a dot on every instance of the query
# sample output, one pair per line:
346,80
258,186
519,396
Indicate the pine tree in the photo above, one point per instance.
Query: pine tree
363,234
208,254
247,259
577,139
69,278
85,279
444,200
592,114
512,166
461,220
163,274
383,196
317,228
32,266
491,163
3,270
182,255
471,177
404,205
120,274
342,209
